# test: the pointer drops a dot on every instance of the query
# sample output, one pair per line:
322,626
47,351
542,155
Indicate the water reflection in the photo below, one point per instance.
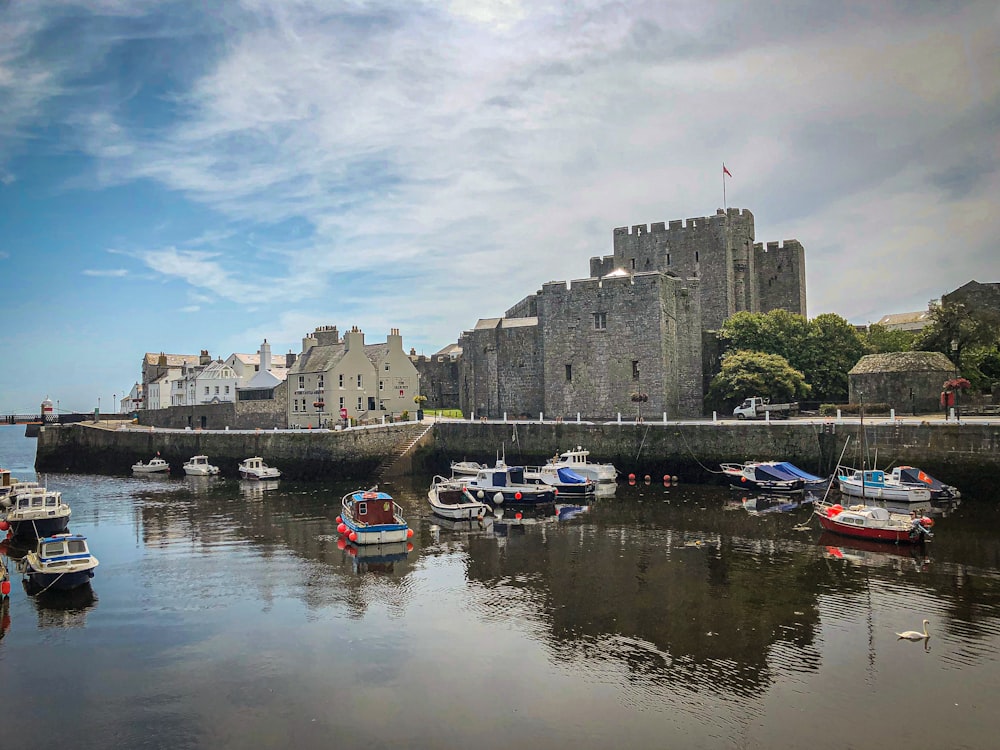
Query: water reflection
62,609
254,489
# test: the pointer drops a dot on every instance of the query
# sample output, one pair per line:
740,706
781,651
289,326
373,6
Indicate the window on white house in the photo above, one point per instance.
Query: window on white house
216,389
342,402
387,367
302,381
319,382
360,403
359,381
381,385
227,390
340,380
206,390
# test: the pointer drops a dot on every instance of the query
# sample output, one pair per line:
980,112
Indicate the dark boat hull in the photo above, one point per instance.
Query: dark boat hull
40,527
58,581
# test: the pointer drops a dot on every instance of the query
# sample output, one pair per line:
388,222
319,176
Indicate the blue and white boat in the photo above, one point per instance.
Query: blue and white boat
372,517
566,480
874,484
36,512
61,562
506,485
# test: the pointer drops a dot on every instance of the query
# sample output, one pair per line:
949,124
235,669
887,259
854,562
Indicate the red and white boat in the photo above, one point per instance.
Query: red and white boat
873,522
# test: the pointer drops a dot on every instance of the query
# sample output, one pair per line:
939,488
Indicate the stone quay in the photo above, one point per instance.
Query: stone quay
966,453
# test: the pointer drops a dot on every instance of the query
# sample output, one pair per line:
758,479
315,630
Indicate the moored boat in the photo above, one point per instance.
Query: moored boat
466,468
762,476
36,512
156,465
449,498
61,561
566,480
875,523
911,476
578,461
875,485
372,517
505,485
198,466
255,468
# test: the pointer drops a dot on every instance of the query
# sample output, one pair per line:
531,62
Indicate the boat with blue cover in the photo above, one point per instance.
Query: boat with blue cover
61,561
372,517
566,480
771,476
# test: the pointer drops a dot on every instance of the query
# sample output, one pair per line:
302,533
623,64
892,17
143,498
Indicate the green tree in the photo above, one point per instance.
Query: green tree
954,328
823,349
880,339
747,373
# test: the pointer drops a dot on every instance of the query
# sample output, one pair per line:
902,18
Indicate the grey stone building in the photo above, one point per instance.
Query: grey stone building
909,382
635,327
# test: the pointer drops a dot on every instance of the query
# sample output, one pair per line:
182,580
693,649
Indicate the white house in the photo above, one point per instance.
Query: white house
215,383
132,401
247,366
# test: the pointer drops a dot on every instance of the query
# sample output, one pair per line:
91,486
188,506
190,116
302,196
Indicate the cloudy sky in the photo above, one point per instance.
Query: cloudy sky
174,178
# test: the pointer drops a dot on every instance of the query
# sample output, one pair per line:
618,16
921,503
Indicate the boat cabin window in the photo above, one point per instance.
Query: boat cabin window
50,502
362,509
76,546
53,549
499,479
37,501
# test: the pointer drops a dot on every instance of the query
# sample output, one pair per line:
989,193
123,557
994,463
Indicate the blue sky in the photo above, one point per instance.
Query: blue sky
175,179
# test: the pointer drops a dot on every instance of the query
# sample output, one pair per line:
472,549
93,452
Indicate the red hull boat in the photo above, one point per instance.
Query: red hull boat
875,523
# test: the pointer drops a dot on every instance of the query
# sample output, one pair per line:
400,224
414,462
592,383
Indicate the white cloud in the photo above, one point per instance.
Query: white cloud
108,272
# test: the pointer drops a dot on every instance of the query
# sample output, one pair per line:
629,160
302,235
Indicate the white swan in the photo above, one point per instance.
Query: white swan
915,635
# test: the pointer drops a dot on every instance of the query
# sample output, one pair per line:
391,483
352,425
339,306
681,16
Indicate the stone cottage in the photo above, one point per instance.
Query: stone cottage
910,382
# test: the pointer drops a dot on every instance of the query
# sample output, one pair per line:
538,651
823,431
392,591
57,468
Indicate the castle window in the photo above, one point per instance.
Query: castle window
569,373
633,264
668,259
695,256
635,369
600,321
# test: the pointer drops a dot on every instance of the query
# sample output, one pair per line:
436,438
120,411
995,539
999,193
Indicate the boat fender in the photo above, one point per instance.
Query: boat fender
926,522
834,510
498,498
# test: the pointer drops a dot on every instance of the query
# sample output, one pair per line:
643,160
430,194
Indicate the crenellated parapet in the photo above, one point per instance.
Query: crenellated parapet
780,276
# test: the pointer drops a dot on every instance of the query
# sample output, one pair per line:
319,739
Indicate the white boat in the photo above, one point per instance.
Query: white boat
875,485
466,468
255,468
61,561
36,512
449,498
567,481
198,466
578,462
505,484
155,466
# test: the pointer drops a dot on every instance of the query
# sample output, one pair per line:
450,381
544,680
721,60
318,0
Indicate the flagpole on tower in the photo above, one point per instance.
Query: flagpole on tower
725,172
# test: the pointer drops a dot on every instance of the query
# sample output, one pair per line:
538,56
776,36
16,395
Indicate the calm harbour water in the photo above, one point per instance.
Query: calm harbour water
223,615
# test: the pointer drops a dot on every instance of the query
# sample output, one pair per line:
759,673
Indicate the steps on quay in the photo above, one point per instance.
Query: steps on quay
401,461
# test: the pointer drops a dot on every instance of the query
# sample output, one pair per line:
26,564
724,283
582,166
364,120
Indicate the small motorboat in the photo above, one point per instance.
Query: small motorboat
372,517
61,561
466,468
155,466
578,461
913,477
255,468
762,476
875,485
36,512
566,480
449,498
198,466
506,485
874,522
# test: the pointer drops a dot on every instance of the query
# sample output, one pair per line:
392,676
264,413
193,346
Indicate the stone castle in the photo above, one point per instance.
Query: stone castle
634,335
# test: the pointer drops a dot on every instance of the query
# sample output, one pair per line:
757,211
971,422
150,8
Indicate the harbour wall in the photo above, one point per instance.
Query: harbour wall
299,454
966,454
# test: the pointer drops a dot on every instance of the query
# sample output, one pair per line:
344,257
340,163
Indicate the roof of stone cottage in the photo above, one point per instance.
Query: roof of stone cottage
902,362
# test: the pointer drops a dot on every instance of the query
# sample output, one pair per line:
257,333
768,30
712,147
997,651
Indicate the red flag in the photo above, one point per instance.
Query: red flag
726,171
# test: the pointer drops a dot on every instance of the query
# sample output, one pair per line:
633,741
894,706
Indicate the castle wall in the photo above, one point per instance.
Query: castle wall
439,378
780,276
645,340
714,249
526,308
501,369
